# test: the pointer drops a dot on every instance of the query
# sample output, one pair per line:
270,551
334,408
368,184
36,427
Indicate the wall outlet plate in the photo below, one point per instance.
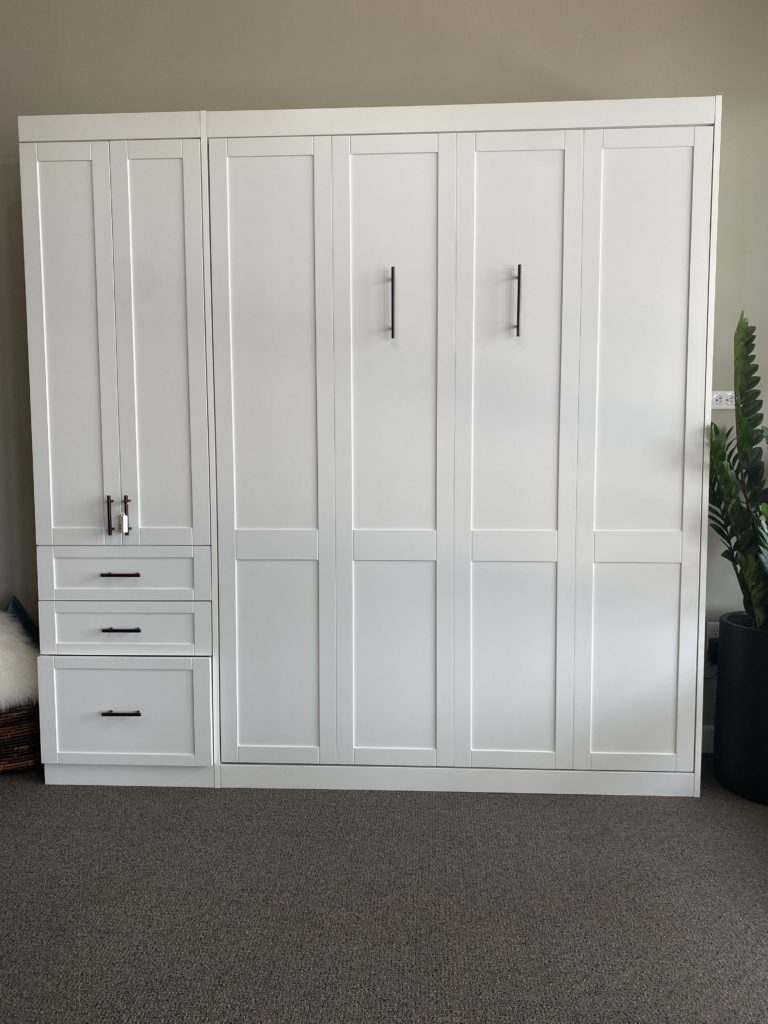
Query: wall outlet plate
713,630
723,399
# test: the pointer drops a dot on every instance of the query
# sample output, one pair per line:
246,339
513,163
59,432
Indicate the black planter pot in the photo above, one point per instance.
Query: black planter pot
741,711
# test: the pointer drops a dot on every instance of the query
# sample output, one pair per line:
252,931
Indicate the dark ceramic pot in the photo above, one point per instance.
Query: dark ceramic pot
741,710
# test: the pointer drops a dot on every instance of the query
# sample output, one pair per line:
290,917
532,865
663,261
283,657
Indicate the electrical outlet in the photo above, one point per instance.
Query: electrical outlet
723,399
713,630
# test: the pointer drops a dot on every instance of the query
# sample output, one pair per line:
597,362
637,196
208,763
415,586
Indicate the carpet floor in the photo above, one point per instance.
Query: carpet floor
292,907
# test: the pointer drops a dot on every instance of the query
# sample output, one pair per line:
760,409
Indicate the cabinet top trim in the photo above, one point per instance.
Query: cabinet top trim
101,127
698,110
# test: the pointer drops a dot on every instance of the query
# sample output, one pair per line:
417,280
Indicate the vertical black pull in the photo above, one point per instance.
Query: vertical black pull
392,301
519,278
126,521
110,530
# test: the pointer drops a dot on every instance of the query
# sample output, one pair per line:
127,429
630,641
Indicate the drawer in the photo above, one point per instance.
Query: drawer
124,574
125,627
125,710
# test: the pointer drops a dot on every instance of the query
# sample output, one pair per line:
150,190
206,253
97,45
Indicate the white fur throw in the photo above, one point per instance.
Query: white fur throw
18,664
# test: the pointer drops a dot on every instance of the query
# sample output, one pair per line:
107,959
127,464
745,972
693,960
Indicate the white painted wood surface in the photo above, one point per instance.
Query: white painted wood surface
271,260
394,207
71,322
102,627
377,494
172,694
158,258
519,203
645,281
124,574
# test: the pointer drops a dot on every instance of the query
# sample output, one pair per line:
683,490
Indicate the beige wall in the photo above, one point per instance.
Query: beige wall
69,56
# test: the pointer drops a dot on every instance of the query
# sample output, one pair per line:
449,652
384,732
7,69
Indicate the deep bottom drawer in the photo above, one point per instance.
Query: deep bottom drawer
100,710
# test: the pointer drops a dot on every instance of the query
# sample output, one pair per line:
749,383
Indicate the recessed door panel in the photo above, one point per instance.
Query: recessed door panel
272,267
277,660
273,349
642,358
516,402
514,663
636,645
394,383
395,681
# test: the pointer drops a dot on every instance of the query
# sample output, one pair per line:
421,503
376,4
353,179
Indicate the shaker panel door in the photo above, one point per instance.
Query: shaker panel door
158,225
516,405
273,355
72,353
641,445
394,252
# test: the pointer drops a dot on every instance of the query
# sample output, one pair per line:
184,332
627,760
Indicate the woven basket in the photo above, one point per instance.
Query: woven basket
19,738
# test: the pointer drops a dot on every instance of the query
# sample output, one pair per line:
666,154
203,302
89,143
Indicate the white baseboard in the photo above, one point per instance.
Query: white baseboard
466,780
126,775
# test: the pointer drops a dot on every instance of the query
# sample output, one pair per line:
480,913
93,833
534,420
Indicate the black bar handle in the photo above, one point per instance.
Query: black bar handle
110,529
119,575
519,278
392,301
121,714
118,629
126,503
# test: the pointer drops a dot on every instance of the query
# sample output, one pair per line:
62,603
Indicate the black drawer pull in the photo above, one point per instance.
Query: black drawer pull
119,575
121,714
119,629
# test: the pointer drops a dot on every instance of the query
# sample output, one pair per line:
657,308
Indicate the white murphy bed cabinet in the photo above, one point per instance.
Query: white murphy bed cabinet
461,365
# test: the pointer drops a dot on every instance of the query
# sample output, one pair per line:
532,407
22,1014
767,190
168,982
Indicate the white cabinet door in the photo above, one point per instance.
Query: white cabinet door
158,245
394,264
71,328
273,351
519,237
641,436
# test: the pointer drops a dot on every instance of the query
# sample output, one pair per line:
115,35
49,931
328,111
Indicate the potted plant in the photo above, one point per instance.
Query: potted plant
738,511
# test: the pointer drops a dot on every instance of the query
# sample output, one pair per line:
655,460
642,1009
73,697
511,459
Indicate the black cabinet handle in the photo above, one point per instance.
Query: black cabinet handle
110,529
121,714
119,575
519,278
117,629
392,301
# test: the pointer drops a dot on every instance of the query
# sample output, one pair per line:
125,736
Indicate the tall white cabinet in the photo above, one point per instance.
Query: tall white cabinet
116,313
460,362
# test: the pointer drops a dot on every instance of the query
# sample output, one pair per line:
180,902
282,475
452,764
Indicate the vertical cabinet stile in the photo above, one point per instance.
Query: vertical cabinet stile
271,261
519,240
394,280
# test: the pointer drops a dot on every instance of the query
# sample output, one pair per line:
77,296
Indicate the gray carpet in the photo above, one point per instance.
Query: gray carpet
137,905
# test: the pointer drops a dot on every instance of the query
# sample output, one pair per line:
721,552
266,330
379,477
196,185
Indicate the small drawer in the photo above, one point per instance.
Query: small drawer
125,710
125,627
124,574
